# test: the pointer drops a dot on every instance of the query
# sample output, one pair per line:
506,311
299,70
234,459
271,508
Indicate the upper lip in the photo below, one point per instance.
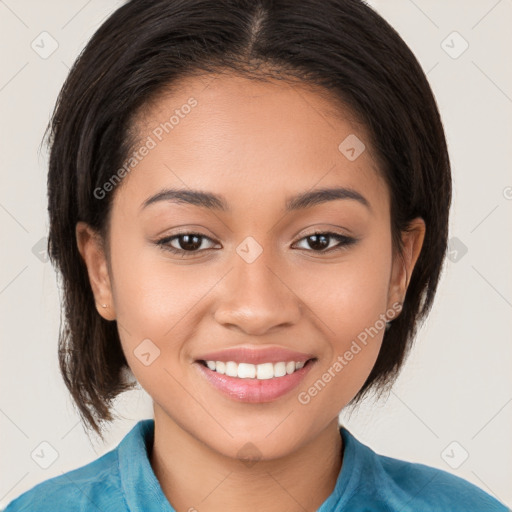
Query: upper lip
247,354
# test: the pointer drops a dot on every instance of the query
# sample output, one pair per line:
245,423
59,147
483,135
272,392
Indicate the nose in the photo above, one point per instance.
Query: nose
256,299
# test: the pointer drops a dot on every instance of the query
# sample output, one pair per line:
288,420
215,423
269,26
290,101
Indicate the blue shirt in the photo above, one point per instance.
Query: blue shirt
122,480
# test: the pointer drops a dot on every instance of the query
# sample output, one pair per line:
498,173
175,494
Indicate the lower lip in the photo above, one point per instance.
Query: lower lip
254,390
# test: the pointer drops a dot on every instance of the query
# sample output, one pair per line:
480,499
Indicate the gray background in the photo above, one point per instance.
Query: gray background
452,405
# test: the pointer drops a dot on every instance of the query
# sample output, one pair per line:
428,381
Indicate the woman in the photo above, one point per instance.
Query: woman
249,209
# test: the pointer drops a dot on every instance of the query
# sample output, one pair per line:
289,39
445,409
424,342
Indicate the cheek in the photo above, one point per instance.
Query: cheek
349,296
150,293
152,302
351,302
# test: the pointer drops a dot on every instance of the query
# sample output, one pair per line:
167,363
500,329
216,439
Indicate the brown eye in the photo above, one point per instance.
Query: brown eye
321,242
184,243
189,242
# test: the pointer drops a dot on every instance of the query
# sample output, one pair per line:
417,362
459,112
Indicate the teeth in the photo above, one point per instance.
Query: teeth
259,371
279,369
231,369
264,371
246,371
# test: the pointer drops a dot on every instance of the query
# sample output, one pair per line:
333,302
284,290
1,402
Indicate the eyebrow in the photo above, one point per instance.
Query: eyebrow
212,201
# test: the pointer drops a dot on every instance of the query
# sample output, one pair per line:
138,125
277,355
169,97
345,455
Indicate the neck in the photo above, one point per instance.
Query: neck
195,477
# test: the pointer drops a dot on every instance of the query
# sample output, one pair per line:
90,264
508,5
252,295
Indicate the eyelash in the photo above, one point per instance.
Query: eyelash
343,242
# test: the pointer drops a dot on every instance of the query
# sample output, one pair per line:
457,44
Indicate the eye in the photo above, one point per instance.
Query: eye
184,243
321,241
187,244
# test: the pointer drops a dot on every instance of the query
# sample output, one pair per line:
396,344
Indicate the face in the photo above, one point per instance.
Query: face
253,275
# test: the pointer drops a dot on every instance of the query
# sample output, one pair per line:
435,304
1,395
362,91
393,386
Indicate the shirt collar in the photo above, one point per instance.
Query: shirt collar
140,486
348,477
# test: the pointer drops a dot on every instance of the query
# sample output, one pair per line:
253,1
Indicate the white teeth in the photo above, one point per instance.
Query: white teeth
265,371
262,371
246,371
279,369
231,369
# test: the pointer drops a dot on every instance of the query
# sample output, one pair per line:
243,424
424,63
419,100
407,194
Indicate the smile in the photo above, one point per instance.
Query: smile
254,383
262,371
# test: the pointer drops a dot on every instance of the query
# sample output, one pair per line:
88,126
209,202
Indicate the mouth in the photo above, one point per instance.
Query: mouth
262,371
254,383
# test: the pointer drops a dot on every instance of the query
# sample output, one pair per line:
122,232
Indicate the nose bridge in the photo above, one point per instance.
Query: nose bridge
254,297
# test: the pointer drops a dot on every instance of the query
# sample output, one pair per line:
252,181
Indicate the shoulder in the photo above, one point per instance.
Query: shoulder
396,484
428,488
94,486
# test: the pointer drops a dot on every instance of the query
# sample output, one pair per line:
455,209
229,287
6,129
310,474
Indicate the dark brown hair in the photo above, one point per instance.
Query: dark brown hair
144,47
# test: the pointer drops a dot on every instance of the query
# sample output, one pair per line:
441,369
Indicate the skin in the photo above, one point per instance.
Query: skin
256,144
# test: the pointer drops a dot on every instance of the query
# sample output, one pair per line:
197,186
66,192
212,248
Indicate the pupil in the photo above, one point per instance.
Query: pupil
319,241
190,242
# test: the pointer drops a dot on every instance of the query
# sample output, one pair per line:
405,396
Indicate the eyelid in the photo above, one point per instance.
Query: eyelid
324,228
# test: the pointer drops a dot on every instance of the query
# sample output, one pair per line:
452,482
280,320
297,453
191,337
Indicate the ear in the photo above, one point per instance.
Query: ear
403,264
90,246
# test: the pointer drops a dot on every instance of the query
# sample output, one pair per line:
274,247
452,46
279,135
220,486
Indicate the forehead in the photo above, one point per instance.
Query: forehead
249,140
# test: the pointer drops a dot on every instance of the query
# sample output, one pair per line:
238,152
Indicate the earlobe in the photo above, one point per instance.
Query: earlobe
91,249
404,263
